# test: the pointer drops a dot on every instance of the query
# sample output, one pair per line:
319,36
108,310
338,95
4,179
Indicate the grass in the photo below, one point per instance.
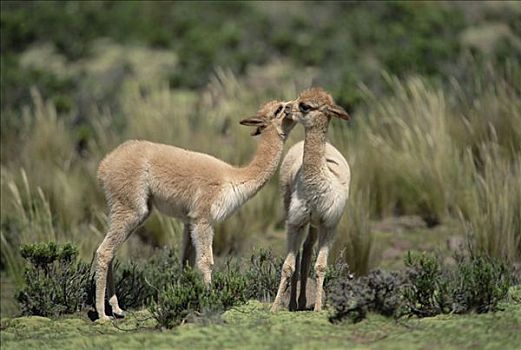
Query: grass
423,150
252,326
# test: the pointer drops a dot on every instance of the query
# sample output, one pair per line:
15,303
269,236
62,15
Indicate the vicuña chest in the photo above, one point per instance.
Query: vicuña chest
318,200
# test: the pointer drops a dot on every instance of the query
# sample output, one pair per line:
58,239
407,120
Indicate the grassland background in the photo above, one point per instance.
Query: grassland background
434,88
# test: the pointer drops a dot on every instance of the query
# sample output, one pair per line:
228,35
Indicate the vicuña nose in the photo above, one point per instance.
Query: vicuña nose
287,109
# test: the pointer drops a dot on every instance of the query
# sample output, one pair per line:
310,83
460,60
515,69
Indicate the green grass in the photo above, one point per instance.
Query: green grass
252,326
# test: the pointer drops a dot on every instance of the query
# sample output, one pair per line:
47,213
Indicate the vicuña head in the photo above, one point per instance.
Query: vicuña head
275,113
315,107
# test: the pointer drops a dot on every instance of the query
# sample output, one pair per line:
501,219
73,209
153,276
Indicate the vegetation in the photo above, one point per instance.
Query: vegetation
246,327
427,288
55,283
434,91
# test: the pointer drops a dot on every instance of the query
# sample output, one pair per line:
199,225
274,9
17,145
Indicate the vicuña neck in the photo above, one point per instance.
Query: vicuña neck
264,163
314,159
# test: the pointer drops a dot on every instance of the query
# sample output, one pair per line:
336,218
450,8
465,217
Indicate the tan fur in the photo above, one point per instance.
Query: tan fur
197,188
314,178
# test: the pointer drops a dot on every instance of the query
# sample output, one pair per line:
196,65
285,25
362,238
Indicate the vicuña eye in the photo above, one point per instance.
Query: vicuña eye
304,108
278,110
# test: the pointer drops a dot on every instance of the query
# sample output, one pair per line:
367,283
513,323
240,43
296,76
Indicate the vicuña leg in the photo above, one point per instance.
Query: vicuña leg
188,253
113,299
324,241
123,221
305,264
295,238
202,238
293,288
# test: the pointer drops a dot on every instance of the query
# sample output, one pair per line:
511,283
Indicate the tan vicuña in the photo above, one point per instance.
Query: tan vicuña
196,188
314,180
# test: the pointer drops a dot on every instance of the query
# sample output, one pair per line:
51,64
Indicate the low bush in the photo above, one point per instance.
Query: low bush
187,297
379,291
426,288
55,282
480,284
425,293
137,283
263,275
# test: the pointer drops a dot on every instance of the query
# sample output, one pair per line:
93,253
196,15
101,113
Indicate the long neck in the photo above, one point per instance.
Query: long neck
264,163
314,159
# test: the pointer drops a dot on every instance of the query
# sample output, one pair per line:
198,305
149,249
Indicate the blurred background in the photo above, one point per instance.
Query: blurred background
433,87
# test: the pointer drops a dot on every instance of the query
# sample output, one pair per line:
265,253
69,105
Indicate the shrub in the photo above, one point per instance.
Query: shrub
136,283
176,301
55,283
425,288
480,284
477,283
379,292
187,297
263,275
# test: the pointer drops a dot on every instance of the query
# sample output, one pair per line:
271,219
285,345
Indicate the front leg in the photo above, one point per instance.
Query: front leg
202,238
324,243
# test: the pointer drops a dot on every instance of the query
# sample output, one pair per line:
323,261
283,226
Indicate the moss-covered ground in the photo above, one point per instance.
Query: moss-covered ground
252,326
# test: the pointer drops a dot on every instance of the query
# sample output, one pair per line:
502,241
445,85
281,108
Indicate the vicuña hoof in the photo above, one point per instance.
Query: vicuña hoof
104,319
120,314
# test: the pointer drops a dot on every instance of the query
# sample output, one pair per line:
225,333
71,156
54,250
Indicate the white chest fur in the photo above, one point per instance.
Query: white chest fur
229,199
319,203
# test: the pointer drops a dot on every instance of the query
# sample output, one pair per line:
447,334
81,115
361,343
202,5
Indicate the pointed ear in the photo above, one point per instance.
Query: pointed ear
252,121
338,112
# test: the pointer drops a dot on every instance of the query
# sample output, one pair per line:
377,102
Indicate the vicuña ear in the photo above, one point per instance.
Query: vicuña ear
256,132
252,121
338,112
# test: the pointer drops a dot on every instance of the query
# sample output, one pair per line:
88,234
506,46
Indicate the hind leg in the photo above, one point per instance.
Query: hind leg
293,286
295,238
305,264
187,253
123,221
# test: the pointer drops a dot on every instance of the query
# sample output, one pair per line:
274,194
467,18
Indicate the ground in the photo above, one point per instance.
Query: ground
252,326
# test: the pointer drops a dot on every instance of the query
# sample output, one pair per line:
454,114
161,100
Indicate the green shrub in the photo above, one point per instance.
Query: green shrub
179,299
187,297
55,283
480,284
229,288
477,283
136,283
263,275
425,292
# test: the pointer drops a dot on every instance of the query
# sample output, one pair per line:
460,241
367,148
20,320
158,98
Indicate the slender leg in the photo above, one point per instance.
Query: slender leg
305,264
325,235
123,221
202,237
295,238
293,288
113,300
187,255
